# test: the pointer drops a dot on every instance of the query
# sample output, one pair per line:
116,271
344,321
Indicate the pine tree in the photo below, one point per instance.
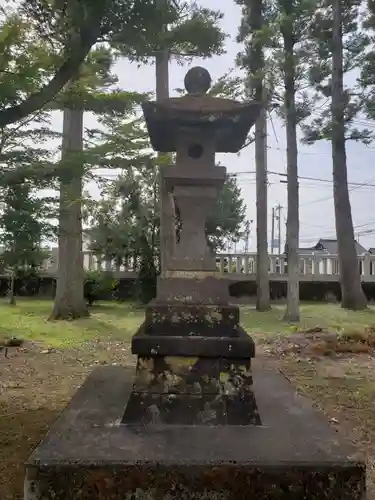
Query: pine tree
252,60
26,213
85,93
73,27
337,46
284,36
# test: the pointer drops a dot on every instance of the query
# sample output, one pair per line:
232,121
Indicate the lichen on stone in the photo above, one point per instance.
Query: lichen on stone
180,492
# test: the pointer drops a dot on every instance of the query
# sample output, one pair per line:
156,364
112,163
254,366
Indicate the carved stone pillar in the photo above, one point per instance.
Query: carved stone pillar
195,204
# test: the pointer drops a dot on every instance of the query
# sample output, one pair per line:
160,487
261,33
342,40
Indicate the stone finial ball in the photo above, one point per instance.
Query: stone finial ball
197,80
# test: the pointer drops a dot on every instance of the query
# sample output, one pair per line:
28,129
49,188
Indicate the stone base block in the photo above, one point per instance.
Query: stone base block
89,455
187,409
192,391
241,346
191,320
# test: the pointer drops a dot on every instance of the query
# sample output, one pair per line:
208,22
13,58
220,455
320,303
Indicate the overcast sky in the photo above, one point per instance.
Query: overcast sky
316,204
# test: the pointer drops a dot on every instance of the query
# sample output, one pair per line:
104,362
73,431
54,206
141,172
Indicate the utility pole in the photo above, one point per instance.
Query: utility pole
247,235
166,206
273,229
279,223
278,210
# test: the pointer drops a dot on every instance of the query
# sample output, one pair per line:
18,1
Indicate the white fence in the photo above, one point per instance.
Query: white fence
317,266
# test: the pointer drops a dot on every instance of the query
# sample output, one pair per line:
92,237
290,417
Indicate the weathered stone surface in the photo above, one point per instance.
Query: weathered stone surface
295,455
192,391
210,290
197,80
224,120
177,375
150,408
181,345
195,202
219,483
191,320
192,274
227,120
198,174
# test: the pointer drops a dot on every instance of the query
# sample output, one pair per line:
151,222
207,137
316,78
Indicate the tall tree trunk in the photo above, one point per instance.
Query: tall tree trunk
351,288
69,299
292,312
166,204
256,70
167,229
12,295
263,285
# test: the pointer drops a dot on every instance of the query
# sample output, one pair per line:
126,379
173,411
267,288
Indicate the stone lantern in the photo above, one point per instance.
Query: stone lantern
195,127
187,425
193,356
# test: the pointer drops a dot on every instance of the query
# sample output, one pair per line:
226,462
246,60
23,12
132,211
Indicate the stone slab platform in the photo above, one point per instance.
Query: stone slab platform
295,455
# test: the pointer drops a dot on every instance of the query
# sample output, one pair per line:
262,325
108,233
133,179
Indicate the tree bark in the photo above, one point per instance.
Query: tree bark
12,296
292,313
256,70
69,299
263,286
350,279
166,205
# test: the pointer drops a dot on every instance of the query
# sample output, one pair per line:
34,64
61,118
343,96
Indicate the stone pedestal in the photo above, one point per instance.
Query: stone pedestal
192,391
89,454
193,368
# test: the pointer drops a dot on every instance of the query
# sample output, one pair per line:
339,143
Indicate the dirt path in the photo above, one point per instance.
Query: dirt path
35,384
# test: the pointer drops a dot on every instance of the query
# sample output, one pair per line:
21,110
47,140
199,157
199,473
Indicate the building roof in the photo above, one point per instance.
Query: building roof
371,250
331,247
307,250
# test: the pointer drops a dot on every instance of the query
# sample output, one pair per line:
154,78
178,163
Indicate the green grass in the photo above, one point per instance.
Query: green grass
118,321
330,316
28,320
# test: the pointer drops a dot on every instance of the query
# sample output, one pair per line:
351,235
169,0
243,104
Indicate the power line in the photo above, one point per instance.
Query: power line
333,235
308,153
355,226
114,175
356,185
317,179
366,183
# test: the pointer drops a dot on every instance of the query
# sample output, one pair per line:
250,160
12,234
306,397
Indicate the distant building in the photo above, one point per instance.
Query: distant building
330,247
86,239
324,246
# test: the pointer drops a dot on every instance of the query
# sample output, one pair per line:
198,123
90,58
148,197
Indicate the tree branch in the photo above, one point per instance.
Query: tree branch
66,71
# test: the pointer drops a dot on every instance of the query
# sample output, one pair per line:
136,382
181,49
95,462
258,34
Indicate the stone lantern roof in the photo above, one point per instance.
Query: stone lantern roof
229,121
